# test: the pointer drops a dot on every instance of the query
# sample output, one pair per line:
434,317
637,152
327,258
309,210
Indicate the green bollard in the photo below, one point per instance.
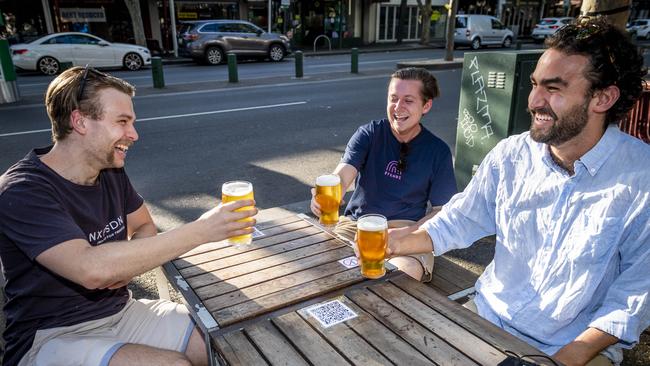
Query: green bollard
354,67
157,73
232,68
298,56
518,45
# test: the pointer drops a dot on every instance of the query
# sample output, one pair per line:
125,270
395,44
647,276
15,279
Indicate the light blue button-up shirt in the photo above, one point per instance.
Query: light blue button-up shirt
572,252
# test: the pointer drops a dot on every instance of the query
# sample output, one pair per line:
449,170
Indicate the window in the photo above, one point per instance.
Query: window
246,28
58,40
461,22
496,24
210,28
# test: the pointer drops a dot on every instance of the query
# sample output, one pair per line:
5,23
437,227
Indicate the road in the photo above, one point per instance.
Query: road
280,136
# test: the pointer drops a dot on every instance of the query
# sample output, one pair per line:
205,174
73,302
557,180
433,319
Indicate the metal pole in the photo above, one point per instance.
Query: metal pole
298,57
232,68
269,18
157,72
172,20
48,16
354,67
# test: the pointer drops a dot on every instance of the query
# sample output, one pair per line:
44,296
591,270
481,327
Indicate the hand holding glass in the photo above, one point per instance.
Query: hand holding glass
372,240
328,196
235,191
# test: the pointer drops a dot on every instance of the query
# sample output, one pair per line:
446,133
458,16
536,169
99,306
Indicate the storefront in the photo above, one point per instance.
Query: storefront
24,20
388,15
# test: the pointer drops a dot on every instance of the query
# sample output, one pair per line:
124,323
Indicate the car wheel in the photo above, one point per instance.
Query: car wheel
48,65
507,42
476,43
276,52
214,56
132,61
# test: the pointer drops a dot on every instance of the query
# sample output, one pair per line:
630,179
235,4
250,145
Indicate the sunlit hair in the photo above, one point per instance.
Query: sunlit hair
429,88
614,59
78,88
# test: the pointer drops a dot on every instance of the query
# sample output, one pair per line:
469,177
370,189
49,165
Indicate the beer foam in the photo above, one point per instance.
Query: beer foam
329,180
372,223
237,188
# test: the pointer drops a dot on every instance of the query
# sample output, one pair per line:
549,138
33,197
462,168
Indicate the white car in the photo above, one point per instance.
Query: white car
548,26
46,53
640,28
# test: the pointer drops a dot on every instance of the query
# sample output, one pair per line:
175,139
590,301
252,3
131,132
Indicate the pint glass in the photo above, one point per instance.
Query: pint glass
372,240
328,196
235,191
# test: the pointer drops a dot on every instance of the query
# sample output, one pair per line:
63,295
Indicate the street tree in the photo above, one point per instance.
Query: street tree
425,14
451,29
136,19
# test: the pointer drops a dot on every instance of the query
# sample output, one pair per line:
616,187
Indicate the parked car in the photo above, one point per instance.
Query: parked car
476,30
210,40
547,27
640,28
46,53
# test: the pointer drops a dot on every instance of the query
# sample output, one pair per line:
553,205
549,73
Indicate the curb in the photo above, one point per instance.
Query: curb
428,64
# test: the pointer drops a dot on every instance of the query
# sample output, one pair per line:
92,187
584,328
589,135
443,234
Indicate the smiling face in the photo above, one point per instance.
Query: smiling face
405,107
560,98
110,137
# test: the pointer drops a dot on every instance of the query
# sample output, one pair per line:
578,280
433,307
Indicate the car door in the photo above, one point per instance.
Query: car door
92,51
251,39
59,47
498,31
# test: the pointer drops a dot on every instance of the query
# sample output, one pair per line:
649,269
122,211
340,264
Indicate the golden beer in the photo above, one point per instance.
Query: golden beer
328,196
235,191
372,240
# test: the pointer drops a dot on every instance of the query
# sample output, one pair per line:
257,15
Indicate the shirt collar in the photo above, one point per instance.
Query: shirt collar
594,159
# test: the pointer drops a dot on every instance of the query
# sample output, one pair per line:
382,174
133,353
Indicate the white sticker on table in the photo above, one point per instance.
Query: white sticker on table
349,262
331,313
257,233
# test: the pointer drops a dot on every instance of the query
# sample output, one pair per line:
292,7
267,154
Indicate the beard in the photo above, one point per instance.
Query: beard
563,129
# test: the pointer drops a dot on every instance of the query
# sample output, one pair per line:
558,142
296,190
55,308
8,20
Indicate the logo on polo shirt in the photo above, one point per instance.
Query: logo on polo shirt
392,171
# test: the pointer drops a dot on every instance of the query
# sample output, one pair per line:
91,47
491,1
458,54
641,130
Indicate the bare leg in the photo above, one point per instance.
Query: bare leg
141,355
196,349
409,265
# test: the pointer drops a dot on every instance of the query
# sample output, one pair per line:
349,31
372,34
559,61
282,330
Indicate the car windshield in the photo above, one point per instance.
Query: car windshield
639,22
184,27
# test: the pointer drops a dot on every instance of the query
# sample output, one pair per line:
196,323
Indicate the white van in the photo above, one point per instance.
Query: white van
476,30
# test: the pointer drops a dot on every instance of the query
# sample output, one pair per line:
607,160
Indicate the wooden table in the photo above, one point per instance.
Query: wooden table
295,260
398,321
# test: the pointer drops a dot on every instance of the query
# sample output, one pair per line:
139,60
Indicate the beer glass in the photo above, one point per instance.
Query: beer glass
372,240
328,196
235,191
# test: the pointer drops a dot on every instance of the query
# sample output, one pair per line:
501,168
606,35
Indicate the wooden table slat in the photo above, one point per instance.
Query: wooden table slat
255,256
236,348
418,336
271,280
444,286
255,266
310,344
273,345
354,346
265,225
475,347
229,250
289,296
478,326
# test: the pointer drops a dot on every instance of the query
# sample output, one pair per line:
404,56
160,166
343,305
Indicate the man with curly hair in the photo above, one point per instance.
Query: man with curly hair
569,203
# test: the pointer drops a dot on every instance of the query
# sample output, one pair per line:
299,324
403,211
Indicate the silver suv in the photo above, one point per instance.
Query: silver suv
210,40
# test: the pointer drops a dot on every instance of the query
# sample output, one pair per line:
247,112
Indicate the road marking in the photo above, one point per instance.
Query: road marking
179,116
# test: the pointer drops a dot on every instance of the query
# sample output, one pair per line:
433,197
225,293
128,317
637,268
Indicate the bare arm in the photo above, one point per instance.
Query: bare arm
414,243
585,347
140,224
112,263
347,173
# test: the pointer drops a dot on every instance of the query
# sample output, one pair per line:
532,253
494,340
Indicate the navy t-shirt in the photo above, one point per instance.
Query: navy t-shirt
382,189
38,210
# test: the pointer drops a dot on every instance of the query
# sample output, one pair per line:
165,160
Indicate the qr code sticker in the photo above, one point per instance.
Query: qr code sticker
331,313
257,233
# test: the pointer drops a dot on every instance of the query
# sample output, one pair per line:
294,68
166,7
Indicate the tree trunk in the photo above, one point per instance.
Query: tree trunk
451,29
614,10
425,14
136,19
401,20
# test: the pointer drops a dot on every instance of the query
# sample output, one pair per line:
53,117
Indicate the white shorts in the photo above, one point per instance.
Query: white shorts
156,323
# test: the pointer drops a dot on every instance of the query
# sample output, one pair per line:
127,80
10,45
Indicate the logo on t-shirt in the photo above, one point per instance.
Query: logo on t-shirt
109,231
392,171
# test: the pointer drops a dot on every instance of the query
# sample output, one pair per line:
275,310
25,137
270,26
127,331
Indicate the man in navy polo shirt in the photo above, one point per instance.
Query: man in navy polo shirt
397,166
